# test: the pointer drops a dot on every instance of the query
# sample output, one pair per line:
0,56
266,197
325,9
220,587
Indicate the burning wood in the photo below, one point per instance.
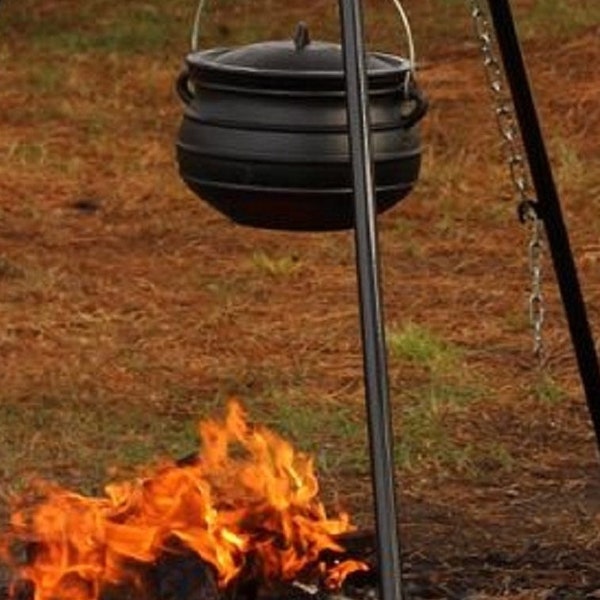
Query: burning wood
246,510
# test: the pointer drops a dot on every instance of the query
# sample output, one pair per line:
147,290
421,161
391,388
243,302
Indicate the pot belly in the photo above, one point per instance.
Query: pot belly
292,180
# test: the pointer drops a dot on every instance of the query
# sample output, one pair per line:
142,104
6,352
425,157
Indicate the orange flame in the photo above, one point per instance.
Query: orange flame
249,494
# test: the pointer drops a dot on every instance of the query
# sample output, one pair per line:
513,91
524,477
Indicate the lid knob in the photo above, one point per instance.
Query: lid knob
301,36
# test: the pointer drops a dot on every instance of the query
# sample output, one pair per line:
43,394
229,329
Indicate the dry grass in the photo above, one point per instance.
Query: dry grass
129,309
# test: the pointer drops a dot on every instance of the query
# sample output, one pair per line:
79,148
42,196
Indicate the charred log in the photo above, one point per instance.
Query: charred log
357,545
550,572
290,591
182,577
21,590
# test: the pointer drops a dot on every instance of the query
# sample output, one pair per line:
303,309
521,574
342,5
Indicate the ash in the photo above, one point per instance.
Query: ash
313,592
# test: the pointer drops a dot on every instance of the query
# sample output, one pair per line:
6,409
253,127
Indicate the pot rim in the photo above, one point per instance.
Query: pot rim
204,62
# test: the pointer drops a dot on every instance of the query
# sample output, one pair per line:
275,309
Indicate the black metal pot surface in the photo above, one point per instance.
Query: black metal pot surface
264,137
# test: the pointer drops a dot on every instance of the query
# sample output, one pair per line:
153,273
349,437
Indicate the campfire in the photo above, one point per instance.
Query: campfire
244,512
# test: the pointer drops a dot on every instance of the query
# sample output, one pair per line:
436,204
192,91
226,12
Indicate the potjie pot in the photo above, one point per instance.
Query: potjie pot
264,137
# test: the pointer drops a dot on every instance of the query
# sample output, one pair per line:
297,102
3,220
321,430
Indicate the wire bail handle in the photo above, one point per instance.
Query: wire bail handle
196,26
410,74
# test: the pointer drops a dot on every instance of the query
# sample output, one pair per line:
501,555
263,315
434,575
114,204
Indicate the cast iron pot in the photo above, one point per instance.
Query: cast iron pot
264,137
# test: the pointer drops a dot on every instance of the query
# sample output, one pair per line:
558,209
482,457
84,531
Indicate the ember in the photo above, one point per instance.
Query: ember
247,507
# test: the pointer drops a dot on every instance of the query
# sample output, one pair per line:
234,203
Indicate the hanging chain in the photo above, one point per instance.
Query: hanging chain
536,299
527,207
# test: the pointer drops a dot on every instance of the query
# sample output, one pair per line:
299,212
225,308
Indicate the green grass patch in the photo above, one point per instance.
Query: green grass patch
46,78
425,436
27,153
95,26
546,389
83,439
420,346
280,266
429,431
430,407
560,17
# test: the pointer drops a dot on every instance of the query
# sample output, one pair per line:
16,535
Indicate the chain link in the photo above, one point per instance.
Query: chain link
536,298
518,170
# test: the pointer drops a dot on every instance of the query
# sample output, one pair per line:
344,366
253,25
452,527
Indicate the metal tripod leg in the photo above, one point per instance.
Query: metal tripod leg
548,207
372,327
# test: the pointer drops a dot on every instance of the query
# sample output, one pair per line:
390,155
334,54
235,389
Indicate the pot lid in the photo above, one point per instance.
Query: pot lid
279,63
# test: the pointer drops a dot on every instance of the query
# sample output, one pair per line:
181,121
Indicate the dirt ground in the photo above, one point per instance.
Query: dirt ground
128,308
